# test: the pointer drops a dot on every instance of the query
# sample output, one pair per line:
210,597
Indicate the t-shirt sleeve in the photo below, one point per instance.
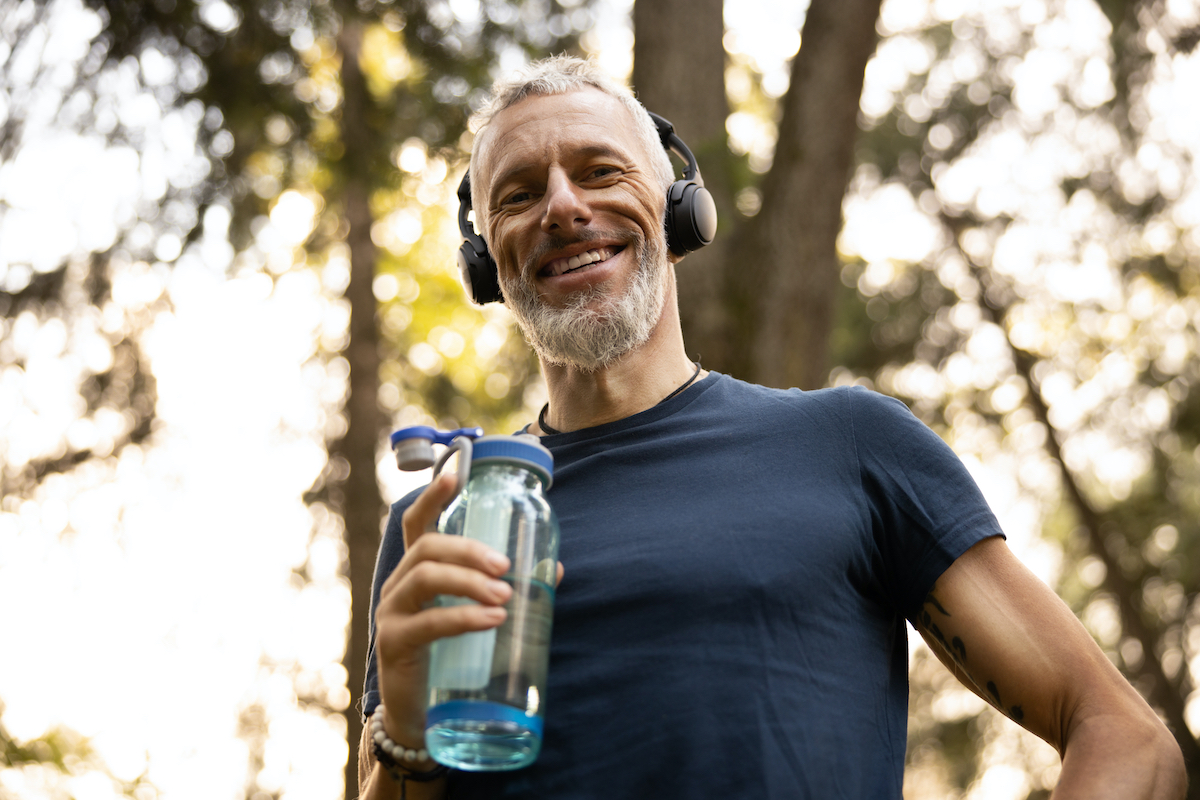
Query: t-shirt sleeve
391,550
926,508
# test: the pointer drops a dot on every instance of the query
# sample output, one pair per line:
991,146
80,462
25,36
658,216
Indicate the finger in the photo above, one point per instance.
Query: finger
403,637
558,577
422,515
428,579
450,550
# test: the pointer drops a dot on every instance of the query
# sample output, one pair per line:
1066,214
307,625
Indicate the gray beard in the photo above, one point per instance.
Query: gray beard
586,338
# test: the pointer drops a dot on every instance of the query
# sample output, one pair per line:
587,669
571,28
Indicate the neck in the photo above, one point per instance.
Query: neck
633,383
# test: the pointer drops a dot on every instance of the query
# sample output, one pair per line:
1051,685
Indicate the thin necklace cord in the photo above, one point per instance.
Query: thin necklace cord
553,431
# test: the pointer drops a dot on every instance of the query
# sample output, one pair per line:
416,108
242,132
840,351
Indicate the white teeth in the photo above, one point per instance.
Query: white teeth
590,257
575,262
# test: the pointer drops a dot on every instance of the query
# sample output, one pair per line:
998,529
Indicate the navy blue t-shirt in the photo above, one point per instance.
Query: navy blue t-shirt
739,564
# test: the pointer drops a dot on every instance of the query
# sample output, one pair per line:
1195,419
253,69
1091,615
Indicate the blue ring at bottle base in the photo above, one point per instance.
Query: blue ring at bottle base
483,711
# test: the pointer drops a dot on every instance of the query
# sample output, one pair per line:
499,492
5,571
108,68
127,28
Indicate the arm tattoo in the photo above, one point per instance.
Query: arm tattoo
933,601
956,649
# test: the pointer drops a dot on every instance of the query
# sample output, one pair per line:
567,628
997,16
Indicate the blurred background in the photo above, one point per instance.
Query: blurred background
227,271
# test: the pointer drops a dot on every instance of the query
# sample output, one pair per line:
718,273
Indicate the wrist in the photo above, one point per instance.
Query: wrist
408,737
400,762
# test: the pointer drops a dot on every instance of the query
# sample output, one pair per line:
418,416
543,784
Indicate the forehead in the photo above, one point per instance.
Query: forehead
545,128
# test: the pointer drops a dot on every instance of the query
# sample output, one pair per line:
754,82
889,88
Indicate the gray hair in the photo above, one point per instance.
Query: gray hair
559,75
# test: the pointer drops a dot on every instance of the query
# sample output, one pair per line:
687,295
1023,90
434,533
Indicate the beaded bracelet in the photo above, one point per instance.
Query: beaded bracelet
391,756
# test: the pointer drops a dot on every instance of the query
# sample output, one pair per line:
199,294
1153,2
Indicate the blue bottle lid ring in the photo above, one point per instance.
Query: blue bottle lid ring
522,450
413,447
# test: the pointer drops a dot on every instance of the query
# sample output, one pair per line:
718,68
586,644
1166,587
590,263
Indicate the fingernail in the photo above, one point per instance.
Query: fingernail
498,561
499,588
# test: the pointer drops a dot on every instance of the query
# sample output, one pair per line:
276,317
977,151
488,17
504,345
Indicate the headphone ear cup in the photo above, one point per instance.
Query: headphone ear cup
475,263
479,274
691,219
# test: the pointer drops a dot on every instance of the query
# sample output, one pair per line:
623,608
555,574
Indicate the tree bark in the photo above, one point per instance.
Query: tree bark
362,508
759,302
788,264
679,72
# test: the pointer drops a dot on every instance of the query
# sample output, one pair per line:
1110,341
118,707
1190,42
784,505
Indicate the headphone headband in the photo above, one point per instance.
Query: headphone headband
690,220
671,142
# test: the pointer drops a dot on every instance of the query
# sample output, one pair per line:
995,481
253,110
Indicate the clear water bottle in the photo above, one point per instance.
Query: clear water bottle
487,689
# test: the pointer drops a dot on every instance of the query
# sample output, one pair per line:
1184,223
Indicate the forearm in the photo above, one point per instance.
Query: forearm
1115,759
1007,636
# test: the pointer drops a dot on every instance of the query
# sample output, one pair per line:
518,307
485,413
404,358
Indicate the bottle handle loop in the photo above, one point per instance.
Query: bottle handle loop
463,445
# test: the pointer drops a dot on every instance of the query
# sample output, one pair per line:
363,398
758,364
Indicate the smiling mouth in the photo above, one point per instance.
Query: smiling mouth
561,266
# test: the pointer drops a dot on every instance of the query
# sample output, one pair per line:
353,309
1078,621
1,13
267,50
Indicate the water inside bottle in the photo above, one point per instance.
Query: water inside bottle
496,725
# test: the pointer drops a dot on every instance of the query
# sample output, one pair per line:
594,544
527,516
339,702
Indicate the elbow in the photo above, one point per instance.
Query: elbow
1126,755
1172,767
1163,765
1153,741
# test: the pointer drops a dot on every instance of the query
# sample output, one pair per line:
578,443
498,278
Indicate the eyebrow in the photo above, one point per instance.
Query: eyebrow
583,153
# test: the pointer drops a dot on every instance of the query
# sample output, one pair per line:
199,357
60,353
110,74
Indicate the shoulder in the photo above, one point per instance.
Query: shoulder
874,415
868,402
841,412
835,395
734,390
856,405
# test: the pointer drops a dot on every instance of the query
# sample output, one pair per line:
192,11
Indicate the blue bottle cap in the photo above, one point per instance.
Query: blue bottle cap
522,450
433,434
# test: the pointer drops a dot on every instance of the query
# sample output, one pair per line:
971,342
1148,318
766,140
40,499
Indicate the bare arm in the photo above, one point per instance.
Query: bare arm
1010,639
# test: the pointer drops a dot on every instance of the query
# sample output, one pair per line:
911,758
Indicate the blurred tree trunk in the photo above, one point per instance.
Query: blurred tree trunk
362,506
759,304
788,264
679,72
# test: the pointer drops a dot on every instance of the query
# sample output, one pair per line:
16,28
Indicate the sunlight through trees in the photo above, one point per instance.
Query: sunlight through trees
226,270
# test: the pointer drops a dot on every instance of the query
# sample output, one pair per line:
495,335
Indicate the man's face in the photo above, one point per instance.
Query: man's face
574,222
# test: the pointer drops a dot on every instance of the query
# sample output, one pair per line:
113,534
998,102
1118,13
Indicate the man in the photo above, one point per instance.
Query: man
740,560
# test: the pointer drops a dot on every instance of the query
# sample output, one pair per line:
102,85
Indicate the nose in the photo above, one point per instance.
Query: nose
566,209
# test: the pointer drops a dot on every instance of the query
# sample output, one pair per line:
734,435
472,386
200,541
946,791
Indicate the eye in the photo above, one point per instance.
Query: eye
602,172
516,199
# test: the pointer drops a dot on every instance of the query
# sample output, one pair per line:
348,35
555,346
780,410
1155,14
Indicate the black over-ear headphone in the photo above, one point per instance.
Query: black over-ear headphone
690,221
